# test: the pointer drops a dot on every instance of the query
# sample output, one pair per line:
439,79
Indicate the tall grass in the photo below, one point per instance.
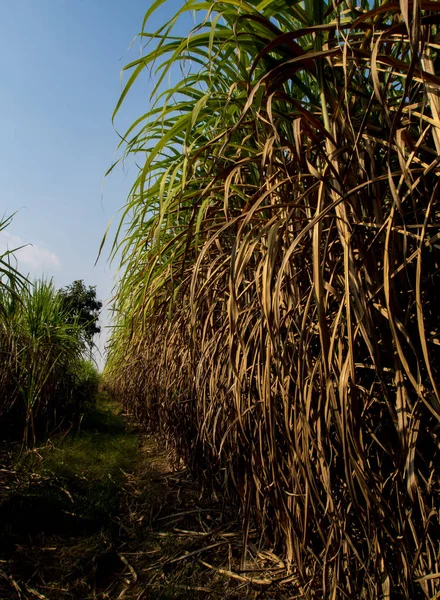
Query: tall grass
44,375
11,279
276,318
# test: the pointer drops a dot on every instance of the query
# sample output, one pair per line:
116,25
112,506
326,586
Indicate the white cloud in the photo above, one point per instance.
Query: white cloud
30,256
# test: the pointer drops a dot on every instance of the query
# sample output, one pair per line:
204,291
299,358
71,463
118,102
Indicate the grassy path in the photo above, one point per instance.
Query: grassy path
101,514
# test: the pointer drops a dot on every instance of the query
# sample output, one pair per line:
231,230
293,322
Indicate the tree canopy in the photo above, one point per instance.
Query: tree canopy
83,306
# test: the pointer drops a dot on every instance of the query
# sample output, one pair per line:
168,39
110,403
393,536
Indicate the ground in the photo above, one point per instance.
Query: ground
101,513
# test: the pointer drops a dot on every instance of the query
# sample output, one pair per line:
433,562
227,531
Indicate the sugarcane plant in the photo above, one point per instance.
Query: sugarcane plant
276,314
11,280
44,355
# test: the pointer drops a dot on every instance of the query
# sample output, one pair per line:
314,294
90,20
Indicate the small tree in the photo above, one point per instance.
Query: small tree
83,307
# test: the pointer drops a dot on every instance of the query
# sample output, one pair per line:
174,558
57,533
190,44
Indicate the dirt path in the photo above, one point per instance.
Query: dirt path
102,514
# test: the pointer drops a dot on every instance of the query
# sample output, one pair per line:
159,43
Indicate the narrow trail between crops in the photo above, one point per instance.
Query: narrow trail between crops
102,513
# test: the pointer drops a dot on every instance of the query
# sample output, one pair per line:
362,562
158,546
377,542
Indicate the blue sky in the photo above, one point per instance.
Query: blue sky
60,63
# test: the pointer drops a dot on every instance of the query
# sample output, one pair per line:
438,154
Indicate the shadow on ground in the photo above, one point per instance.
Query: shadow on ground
101,514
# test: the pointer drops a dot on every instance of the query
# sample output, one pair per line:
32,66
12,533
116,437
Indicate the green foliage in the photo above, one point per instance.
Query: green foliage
44,379
277,314
80,301
11,280
86,382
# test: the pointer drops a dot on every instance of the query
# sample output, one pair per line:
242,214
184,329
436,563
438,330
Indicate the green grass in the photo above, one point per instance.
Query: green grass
72,485
102,450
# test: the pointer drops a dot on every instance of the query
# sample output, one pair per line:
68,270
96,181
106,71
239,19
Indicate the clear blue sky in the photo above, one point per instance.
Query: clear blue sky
60,64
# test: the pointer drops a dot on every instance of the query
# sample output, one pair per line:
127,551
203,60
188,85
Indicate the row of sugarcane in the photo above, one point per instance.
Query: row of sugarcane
277,315
46,375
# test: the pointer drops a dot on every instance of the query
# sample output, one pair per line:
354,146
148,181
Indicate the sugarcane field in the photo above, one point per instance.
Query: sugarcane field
220,300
